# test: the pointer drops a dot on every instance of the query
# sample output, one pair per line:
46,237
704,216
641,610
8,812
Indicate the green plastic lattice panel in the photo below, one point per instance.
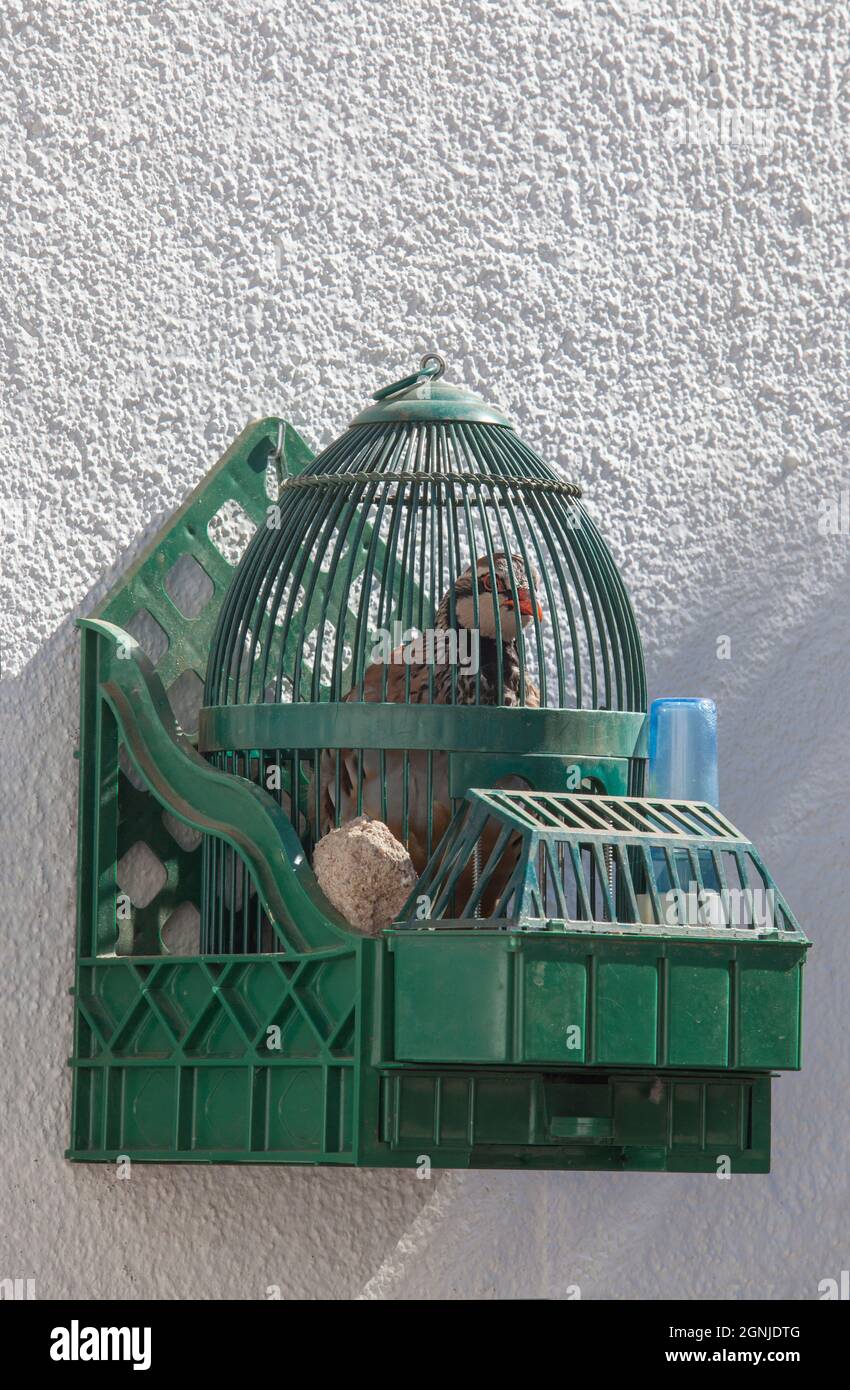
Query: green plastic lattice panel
169,600
188,1058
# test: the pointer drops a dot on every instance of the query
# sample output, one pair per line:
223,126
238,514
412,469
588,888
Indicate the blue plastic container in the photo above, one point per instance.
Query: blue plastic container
683,763
683,750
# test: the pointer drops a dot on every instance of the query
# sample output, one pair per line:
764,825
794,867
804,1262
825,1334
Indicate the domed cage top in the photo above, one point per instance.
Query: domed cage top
426,558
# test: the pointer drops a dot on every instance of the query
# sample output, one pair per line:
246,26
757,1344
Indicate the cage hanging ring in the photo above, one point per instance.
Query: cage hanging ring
432,366
436,372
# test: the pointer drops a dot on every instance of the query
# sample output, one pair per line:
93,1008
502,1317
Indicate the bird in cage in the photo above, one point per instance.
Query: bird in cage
503,586
458,663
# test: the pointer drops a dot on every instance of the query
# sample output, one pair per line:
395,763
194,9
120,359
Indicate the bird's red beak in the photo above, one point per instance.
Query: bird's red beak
526,607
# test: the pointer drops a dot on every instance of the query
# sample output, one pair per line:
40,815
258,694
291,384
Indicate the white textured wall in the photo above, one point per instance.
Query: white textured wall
217,211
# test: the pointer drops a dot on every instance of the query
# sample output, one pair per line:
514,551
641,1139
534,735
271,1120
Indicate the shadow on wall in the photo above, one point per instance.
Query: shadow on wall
784,730
784,717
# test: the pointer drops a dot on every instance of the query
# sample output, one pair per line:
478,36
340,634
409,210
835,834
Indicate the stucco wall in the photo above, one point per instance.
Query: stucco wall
220,211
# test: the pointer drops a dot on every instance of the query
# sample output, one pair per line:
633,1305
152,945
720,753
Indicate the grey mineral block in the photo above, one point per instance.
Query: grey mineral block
365,872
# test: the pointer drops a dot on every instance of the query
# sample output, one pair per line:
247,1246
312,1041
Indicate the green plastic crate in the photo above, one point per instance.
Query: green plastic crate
530,1041
481,997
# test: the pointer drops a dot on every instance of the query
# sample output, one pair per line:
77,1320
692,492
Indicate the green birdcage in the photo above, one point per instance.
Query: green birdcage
428,630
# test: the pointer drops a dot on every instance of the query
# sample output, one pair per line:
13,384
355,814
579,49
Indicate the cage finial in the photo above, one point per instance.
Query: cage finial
422,397
432,366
